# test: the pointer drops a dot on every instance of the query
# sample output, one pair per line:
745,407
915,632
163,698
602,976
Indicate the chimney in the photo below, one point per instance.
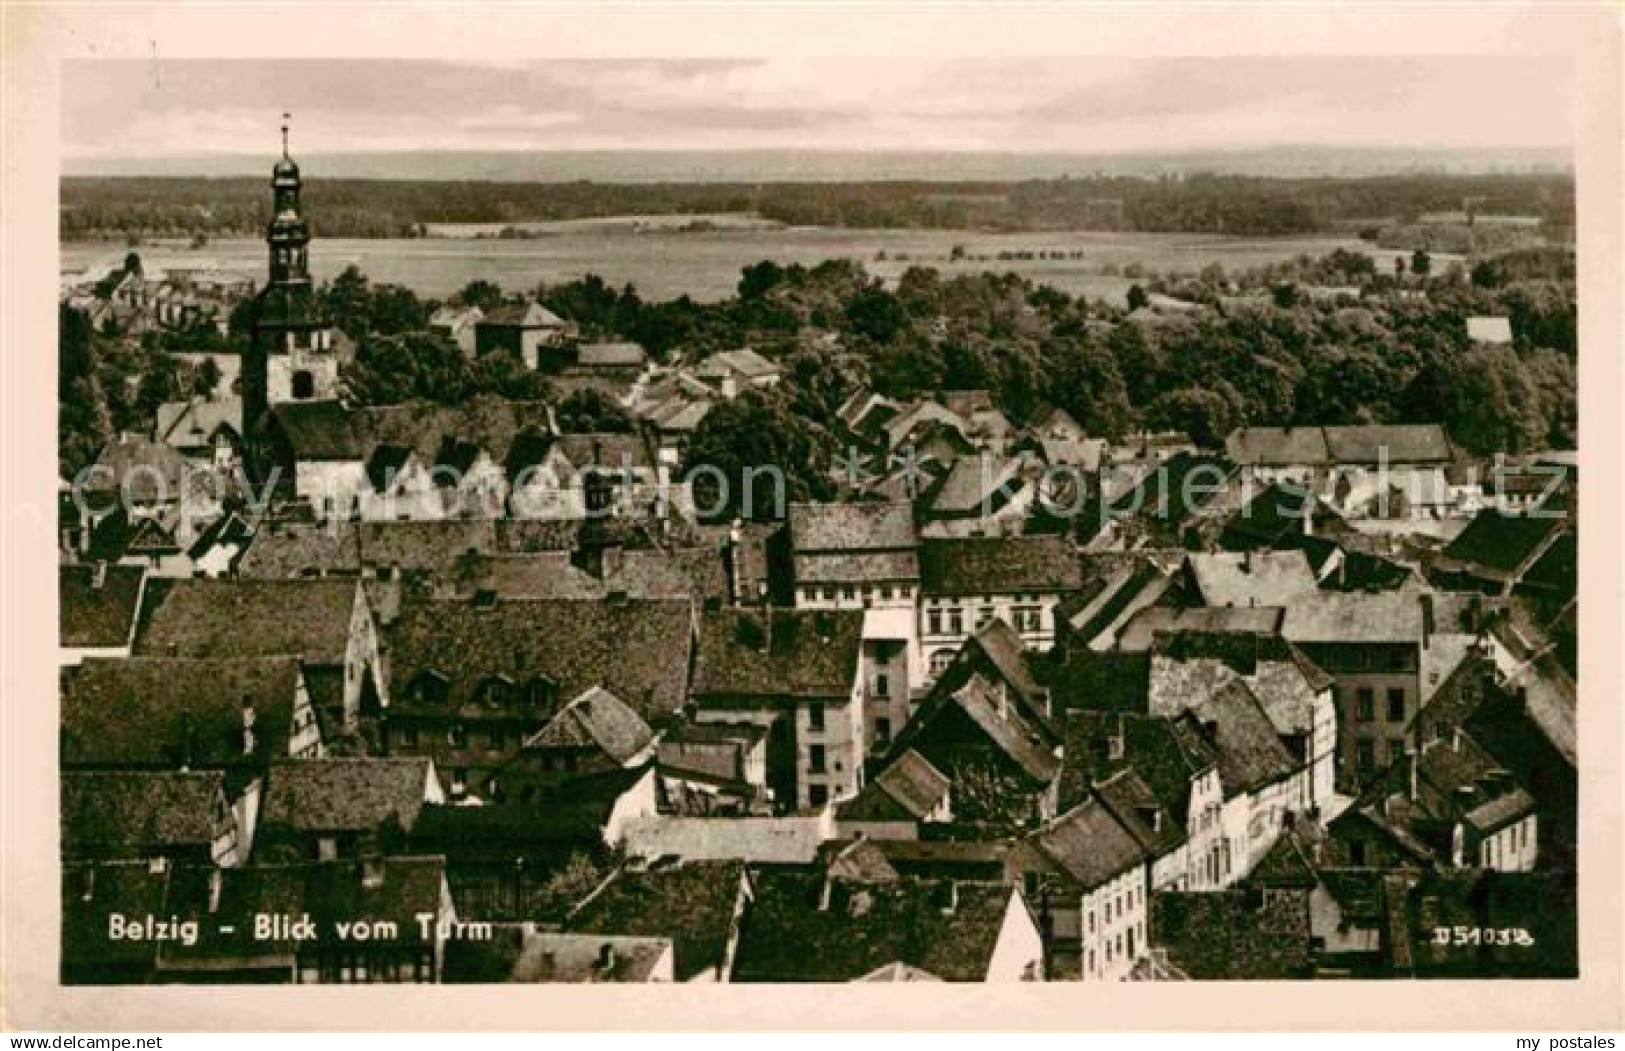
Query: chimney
1414,785
824,894
248,726
372,870
606,958
1455,739
951,904
216,882
99,580
87,883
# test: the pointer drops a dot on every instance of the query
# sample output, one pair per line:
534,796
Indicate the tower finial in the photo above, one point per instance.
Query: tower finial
285,119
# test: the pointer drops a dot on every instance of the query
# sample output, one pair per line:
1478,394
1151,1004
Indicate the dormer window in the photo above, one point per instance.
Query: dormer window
495,691
429,688
541,692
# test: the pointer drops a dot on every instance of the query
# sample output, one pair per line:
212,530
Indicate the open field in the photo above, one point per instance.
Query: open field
664,263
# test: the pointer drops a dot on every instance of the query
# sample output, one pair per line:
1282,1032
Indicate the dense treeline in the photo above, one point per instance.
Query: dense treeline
1258,349
1244,205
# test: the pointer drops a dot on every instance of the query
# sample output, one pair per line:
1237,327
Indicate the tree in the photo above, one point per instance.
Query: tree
1137,298
424,366
480,293
1202,414
754,435
757,280
876,313
587,411
206,378
132,264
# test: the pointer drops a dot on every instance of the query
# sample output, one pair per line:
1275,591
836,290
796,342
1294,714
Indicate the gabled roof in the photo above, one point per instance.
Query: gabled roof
596,719
1320,446
973,489
1089,845
1005,727
161,712
206,619
575,645
639,573
530,314
281,550
802,929
193,423
346,794
852,527
132,813
1164,760
1141,630
1251,578
917,785
805,653
1250,753
744,362
692,904
998,565
1503,542
99,615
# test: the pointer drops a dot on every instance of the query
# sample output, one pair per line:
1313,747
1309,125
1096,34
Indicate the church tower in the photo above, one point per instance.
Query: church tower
291,356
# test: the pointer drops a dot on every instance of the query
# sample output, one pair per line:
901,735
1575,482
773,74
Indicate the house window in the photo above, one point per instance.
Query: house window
933,622
940,661
882,730
457,736
1365,704
1366,756
829,594
815,758
984,617
849,592
882,686
409,737
304,385
815,716
956,622
1357,853
817,795
1396,704
885,591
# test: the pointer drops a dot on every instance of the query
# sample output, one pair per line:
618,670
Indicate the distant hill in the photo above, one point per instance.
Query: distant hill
768,166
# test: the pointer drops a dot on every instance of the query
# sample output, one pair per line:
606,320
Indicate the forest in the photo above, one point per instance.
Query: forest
135,207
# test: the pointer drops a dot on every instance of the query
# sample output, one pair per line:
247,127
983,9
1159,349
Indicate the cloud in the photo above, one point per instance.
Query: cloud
1065,104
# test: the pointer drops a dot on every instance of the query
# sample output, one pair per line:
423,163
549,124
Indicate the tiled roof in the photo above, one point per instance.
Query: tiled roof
320,430
1489,329
972,488
597,718
857,567
791,934
1007,729
1250,753
746,362
637,649
284,550
309,619
1150,819
129,813
99,617
692,904
1389,443
193,423
852,527
1163,759
523,315
914,782
1384,616
998,565
1501,541
806,653
1142,629
686,573
611,355
1089,844
146,712
1277,446
345,794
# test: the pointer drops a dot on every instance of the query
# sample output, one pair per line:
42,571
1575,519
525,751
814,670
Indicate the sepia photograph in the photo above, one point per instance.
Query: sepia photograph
1050,520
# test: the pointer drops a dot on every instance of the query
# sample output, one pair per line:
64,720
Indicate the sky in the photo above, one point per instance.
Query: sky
1089,105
